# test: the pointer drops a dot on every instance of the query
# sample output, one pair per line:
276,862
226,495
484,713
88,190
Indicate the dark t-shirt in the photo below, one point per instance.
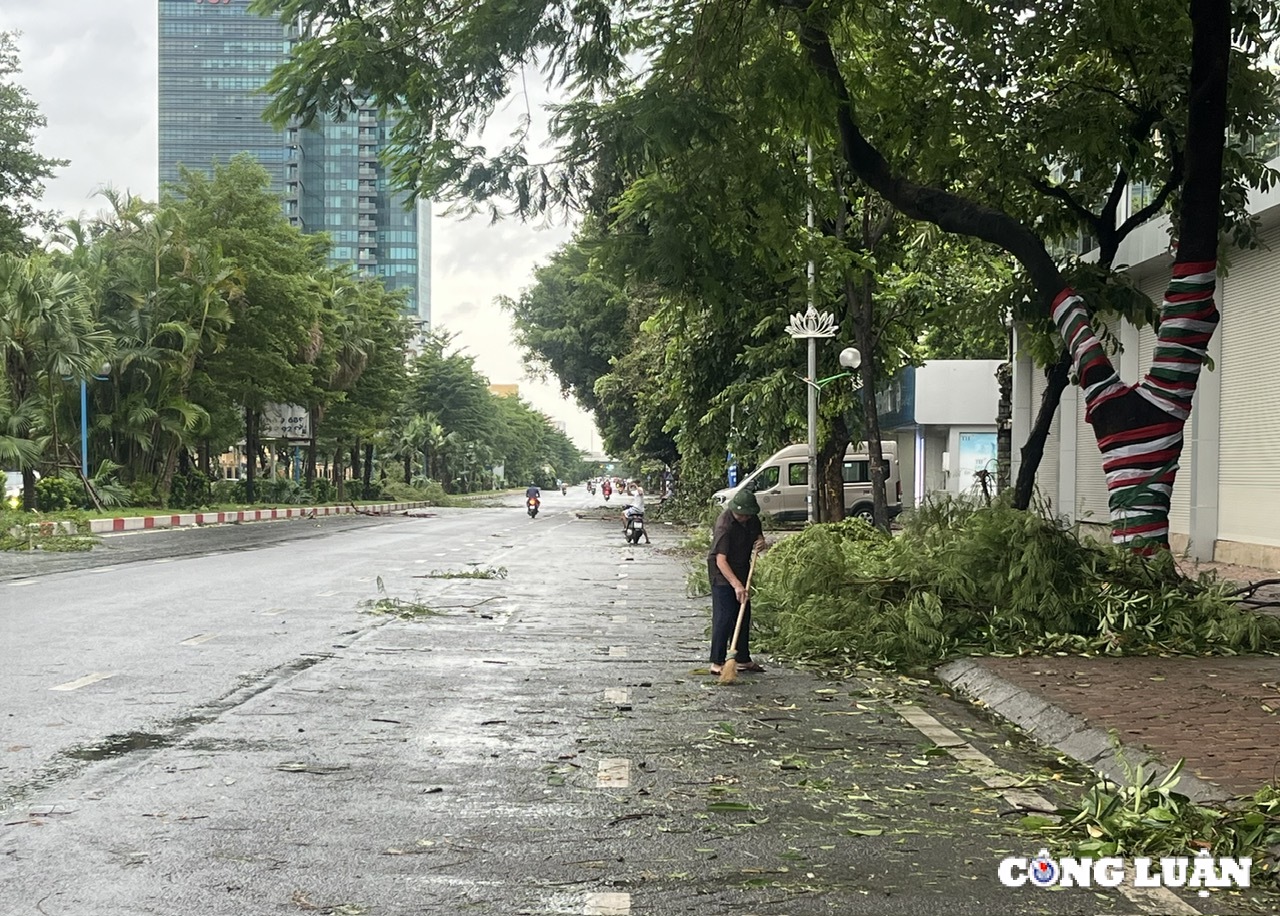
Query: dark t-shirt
735,540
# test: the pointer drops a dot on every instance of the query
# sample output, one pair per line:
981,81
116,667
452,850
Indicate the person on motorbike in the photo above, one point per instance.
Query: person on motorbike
607,489
533,492
636,508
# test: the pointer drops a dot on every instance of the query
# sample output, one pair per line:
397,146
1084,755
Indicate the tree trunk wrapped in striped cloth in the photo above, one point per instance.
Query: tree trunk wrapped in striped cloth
1139,427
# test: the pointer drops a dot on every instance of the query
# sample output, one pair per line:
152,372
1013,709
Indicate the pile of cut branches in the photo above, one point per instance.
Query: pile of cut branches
962,579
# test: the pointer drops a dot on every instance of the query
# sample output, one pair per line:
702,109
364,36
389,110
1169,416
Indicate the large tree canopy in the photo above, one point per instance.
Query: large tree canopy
1019,127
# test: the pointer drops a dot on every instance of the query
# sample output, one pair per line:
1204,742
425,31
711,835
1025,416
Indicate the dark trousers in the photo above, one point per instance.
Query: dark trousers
724,617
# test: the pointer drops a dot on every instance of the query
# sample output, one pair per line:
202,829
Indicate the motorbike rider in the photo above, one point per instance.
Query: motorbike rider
532,493
606,488
636,508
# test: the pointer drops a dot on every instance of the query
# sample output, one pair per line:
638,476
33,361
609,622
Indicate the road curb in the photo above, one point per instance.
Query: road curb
1052,726
197,519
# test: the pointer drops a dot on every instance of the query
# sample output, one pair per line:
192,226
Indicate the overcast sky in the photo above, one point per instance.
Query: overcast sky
91,67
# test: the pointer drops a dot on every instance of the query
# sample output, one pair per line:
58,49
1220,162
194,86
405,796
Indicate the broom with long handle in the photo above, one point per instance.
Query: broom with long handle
729,670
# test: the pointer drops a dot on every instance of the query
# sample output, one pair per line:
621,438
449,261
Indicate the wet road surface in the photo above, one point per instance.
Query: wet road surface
333,720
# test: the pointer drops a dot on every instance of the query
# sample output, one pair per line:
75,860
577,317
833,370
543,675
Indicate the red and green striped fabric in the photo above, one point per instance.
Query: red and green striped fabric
1141,460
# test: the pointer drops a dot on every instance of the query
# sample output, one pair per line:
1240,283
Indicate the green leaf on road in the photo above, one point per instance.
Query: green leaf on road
729,806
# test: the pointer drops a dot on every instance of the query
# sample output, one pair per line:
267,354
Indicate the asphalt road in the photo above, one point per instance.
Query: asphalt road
238,721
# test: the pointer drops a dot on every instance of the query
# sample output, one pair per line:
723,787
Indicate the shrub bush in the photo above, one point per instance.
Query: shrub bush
280,490
190,491
323,491
142,492
224,492
57,494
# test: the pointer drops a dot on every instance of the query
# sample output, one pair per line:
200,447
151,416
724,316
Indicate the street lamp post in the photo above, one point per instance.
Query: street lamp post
101,376
812,325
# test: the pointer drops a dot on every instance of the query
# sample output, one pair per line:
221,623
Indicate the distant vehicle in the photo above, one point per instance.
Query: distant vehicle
781,482
633,531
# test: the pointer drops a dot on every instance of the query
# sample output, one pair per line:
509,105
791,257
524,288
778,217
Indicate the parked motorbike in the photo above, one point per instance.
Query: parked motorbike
634,530
532,504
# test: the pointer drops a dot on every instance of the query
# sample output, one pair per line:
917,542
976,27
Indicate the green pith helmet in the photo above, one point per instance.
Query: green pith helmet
744,503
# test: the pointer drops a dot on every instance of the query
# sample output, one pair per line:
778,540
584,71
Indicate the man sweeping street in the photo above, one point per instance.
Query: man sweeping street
736,536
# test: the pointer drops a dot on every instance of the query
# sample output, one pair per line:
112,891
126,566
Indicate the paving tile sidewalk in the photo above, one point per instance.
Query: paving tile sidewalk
1222,715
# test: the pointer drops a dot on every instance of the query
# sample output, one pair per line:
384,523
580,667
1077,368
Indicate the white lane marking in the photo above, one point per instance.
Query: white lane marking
617,651
622,575
196,640
617,695
271,612
622,586
162,560
1147,899
21,582
439,554
102,569
85,681
620,602
325,594
613,773
607,903
619,618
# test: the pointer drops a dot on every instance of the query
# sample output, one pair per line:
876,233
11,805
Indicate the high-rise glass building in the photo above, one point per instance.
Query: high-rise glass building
215,57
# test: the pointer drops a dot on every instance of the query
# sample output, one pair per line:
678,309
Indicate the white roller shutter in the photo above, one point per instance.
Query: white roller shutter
1047,473
1249,495
1180,506
1091,482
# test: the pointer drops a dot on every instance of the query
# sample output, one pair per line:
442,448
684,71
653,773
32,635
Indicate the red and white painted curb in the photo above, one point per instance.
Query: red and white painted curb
195,519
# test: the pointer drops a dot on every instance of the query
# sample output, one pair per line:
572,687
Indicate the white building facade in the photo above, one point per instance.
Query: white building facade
942,415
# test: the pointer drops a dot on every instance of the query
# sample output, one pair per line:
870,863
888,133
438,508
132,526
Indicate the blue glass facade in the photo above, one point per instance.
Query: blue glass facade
214,57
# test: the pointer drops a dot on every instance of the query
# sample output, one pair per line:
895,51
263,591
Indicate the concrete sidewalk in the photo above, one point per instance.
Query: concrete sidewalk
1221,715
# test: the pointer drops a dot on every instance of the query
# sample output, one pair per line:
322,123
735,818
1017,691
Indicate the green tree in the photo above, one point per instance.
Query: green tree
1173,128
1019,127
275,337
22,170
446,385
167,300
366,380
47,334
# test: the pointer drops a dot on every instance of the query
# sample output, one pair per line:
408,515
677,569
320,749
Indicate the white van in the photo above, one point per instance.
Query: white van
781,482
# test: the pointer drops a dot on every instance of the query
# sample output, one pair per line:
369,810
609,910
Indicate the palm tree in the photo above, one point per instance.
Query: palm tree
167,300
47,334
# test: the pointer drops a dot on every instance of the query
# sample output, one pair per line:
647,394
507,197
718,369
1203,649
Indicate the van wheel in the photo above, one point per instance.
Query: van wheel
864,512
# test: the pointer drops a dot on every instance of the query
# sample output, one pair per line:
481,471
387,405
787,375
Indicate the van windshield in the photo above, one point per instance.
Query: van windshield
765,480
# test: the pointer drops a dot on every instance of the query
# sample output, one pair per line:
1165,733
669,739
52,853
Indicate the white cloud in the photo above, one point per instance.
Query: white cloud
91,67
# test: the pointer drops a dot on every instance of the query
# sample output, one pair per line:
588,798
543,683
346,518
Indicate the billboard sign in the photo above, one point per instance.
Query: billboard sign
285,421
